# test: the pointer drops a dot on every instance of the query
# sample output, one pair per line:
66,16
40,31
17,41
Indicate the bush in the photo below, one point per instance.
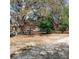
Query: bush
63,27
45,24
64,22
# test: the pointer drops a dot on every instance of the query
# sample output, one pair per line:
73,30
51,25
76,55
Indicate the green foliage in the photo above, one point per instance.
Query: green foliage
45,24
63,27
64,22
25,10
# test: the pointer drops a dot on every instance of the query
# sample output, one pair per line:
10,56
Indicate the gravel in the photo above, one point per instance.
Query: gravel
47,51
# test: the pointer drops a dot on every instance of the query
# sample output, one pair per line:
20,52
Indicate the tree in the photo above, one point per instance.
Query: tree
64,22
38,9
45,24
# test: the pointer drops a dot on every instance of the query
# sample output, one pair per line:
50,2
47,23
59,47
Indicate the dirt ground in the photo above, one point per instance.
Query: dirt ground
20,41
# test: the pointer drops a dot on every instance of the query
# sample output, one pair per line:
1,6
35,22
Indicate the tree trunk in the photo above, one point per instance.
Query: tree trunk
30,30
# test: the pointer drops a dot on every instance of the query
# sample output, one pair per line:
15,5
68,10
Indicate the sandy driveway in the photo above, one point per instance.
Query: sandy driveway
21,41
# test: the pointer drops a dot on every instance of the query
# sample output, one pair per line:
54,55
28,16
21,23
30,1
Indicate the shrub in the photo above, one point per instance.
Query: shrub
63,27
45,24
64,22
